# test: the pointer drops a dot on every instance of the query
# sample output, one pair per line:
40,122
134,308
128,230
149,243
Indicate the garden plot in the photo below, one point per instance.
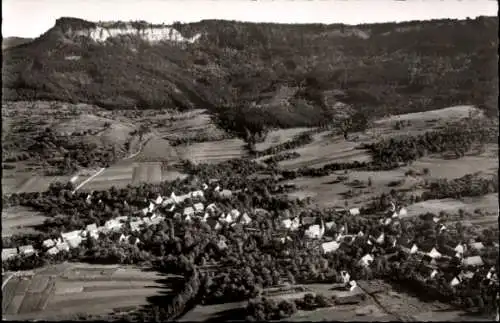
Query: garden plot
20,220
47,295
276,137
212,151
147,173
324,150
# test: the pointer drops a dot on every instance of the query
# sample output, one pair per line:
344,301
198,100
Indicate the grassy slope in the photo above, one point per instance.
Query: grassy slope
382,68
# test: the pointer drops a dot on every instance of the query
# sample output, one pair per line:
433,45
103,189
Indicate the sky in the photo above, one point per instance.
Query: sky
30,18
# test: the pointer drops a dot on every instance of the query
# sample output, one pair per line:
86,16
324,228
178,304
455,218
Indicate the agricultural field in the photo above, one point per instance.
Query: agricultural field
156,149
19,220
62,292
147,173
27,184
276,137
212,151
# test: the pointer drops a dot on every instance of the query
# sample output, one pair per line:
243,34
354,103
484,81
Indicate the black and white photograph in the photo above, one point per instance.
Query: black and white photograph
250,160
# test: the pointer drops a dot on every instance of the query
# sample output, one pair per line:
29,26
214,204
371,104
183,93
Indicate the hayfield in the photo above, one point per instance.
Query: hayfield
326,149
19,220
276,137
70,289
147,173
212,151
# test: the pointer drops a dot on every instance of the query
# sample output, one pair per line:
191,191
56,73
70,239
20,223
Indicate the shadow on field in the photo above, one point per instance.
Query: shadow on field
235,314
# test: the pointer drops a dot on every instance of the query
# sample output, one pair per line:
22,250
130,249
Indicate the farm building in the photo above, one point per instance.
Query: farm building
434,254
366,260
354,211
8,253
205,217
145,211
352,285
473,261
227,218
395,215
49,243
198,207
413,249
331,246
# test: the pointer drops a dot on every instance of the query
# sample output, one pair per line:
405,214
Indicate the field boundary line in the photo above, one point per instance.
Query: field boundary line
4,283
88,179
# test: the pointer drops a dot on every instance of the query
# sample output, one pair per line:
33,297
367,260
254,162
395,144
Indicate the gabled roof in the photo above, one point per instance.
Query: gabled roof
477,245
473,261
198,207
331,246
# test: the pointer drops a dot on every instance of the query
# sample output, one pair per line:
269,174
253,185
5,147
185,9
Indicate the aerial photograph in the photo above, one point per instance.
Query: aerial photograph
239,160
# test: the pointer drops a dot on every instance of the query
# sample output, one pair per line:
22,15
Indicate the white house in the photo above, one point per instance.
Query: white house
354,211
49,243
145,211
74,242
345,276
360,234
387,221
71,235
113,224
225,193
151,207
188,218
352,285
88,200
403,212
228,218
366,260
434,254
287,223
285,239
91,227
197,193
380,238
158,200
455,281
329,225
433,274
435,219
245,219
205,217
9,253
235,213
188,211
211,207
331,246
123,238
204,186
217,188
473,261
395,215
198,207
171,208
414,249
135,225
53,251
442,228
314,232
63,246
460,248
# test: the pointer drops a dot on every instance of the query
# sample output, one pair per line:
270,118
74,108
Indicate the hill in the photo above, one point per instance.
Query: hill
254,75
14,41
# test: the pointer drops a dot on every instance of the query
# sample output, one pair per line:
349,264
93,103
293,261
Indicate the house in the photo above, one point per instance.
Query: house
205,217
287,223
151,207
235,213
295,224
466,275
70,234
403,212
63,246
145,211
366,260
413,249
102,229
49,243
387,221
225,193
158,200
477,245
360,234
380,239
434,254
314,232
442,228
330,225
435,219
123,238
196,194
74,242
395,215
188,211
9,253
455,281
211,207
198,207
354,211
91,227
285,239
188,218
245,219
222,245
53,251
217,188
204,186
433,274
147,221
331,246
459,248
345,276
352,285
473,261
171,208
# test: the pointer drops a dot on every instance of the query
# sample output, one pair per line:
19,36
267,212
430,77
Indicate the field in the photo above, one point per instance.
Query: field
26,183
147,173
276,137
212,152
157,149
19,220
326,149
63,291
